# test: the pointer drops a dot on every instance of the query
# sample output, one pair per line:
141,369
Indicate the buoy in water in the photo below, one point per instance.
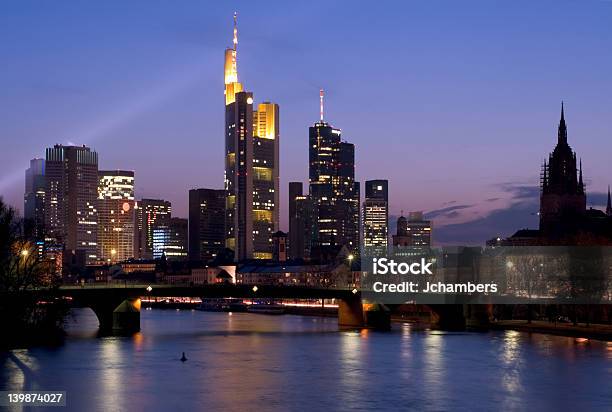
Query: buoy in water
183,358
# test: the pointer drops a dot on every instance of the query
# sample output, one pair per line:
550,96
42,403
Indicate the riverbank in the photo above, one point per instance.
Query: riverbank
581,330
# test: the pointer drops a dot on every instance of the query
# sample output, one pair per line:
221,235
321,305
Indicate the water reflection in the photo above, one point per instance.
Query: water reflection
351,374
406,353
434,372
113,374
249,362
510,376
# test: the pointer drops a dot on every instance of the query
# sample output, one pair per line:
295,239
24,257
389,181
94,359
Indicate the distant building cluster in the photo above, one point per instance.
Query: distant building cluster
83,216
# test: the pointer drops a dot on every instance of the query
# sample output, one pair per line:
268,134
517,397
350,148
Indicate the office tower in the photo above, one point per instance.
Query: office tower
71,181
265,179
170,239
563,198
376,215
115,215
307,227
296,229
413,232
332,187
34,200
206,223
151,213
138,229
279,240
251,167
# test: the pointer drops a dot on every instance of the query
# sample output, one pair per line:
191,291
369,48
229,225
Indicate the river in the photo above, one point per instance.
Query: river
244,361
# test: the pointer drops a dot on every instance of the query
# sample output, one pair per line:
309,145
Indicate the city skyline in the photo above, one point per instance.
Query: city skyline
510,140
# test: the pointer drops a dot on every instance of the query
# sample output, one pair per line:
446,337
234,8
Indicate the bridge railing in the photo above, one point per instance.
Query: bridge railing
144,286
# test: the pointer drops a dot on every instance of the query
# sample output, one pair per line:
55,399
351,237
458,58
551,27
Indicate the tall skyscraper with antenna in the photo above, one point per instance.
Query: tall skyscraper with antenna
333,188
251,166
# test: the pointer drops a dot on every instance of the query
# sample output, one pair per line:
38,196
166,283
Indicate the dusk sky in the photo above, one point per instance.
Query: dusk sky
455,102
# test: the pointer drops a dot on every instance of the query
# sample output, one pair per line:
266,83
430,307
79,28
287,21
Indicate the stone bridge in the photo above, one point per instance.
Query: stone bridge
118,306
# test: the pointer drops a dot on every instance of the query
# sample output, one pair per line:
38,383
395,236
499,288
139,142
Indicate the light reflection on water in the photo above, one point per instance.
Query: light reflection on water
249,362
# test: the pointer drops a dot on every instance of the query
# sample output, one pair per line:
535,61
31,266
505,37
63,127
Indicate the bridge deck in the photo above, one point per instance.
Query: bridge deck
205,291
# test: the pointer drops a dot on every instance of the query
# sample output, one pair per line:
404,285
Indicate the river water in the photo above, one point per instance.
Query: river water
256,362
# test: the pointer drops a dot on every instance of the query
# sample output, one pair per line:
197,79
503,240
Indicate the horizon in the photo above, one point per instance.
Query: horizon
465,101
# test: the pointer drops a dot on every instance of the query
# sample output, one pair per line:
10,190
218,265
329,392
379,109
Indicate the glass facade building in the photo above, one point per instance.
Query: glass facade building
376,215
71,185
206,223
115,215
333,188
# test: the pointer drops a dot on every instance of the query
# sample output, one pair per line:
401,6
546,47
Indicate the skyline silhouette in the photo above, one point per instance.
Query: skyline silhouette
397,86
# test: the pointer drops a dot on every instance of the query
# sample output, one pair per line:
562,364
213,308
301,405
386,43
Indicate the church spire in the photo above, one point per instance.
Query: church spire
562,135
609,206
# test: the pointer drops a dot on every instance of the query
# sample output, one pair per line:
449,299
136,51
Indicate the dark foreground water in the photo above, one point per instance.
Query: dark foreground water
256,362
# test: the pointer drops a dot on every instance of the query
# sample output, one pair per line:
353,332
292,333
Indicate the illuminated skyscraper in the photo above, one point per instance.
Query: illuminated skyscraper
71,217
115,215
251,167
376,215
34,199
170,240
151,213
265,179
332,187
206,223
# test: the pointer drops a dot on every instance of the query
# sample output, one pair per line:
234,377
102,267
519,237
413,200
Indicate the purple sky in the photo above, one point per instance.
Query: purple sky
455,102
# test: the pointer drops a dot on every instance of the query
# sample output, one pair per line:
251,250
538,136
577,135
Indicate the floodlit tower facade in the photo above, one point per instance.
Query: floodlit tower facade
115,215
251,167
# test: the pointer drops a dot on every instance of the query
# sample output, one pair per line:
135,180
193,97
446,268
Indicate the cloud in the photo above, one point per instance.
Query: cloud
450,211
520,213
521,191
500,222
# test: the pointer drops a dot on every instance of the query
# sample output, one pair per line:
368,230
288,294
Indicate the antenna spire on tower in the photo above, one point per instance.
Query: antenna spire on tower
321,94
235,30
